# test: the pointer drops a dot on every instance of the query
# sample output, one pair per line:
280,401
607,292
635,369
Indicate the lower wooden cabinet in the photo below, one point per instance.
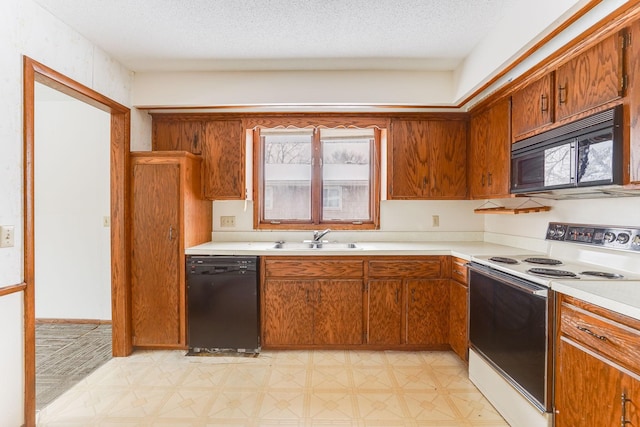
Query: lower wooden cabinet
428,312
458,309
321,308
597,375
385,311
364,302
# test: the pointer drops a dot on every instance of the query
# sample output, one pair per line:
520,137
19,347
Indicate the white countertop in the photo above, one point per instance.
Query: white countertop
459,249
617,295
621,296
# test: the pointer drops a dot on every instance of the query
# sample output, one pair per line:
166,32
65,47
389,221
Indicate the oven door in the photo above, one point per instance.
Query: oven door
509,327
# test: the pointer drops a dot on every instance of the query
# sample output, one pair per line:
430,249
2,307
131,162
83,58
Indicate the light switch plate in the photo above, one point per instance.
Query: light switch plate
6,236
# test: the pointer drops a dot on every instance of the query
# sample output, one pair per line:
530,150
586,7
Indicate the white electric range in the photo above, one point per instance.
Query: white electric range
511,312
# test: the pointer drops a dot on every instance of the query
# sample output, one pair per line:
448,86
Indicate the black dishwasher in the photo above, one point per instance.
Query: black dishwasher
222,304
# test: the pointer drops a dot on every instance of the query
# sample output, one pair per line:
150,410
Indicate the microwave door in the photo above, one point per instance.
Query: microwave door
559,166
595,159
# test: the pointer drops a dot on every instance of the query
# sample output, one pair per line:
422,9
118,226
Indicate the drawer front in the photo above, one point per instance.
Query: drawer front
613,340
459,270
427,268
314,268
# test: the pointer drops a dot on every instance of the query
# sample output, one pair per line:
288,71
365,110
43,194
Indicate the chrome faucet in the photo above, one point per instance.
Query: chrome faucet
317,235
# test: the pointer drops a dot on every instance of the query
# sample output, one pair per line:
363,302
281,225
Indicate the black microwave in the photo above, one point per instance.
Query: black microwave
584,153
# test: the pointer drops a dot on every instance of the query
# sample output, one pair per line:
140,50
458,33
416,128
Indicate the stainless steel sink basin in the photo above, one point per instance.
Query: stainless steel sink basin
335,246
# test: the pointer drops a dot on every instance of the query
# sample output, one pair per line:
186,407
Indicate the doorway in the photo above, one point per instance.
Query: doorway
119,209
72,241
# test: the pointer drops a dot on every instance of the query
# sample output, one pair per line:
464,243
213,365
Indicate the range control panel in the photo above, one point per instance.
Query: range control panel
610,237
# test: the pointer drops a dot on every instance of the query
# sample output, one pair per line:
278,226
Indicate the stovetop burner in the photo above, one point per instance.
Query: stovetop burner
543,261
551,272
503,260
603,274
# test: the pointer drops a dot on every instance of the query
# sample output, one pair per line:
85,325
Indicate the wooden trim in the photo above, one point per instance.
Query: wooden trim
120,287
42,321
12,289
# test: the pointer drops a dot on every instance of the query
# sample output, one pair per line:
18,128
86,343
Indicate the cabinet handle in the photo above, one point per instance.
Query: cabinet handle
590,332
170,233
458,272
562,90
413,295
424,182
623,418
397,295
544,105
482,180
490,179
307,296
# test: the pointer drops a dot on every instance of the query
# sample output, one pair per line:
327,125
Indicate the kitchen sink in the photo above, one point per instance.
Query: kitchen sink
335,246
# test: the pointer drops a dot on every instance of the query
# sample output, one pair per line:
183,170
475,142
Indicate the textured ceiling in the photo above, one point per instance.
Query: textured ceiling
150,35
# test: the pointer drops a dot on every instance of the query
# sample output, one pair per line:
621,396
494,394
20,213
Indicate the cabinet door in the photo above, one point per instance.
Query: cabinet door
498,154
458,319
448,171
587,390
532,106
178,136
591,79
156,257
408,159
338,312
288,314
223,155
478,141
428,312
385,312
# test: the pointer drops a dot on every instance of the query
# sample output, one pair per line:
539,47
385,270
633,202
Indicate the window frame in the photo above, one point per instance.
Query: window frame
316,221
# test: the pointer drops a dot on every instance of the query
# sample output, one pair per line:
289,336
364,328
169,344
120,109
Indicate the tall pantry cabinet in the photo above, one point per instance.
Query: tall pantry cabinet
168,215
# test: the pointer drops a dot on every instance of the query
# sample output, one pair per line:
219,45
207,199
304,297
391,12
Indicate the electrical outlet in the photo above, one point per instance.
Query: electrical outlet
435,220
106,221
6,236
228,221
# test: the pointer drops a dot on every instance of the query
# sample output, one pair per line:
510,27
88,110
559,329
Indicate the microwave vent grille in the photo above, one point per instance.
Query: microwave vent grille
606,116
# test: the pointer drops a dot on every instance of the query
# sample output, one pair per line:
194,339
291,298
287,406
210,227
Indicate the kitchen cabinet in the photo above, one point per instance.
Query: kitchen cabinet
309,301
408,302
533,106
633,101
168,215
597,379
224,160
385,311
490,151
428,312
458,308
591,78
427,159
180,135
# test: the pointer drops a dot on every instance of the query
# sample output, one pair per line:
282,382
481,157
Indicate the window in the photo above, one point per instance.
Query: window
312,176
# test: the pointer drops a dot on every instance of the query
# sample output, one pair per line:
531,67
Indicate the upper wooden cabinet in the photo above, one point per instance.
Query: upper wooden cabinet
224,160
533,106
220,142
427,159
490,151
180,135
592,78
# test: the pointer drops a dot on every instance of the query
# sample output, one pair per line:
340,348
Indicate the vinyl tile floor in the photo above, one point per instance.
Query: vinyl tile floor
277,388
65,354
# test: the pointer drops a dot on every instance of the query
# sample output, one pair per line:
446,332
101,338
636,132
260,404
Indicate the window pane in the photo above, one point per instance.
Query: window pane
346,172
287,174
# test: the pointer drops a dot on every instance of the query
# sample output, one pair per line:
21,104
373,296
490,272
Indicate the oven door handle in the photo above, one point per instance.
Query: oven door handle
510,280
